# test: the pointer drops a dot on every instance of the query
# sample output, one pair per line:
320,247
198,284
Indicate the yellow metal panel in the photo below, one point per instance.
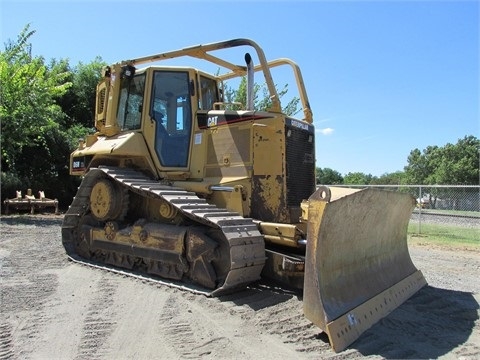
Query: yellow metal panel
281,234
131,143
228,152
266,142
131,146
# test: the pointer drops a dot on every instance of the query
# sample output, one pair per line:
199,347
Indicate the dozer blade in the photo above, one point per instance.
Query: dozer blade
358,268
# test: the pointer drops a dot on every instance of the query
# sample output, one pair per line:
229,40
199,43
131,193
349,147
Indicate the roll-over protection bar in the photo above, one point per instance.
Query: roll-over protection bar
203,52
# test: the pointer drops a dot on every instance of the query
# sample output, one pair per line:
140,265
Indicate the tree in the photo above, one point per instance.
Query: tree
452,164
36,136
28,110
357,178
421,165
459,163
395,178
240,96
327,176
79,101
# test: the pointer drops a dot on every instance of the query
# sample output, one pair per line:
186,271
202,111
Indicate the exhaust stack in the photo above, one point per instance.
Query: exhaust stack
250,85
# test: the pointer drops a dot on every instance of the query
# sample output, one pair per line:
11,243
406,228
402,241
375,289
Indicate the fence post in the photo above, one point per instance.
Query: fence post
420,210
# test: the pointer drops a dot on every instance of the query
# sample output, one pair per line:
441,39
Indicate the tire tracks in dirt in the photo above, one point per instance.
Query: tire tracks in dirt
280,313
186,335
6,342
100,320
25,289
265,310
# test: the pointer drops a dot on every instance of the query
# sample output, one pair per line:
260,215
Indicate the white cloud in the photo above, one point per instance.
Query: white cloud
326,131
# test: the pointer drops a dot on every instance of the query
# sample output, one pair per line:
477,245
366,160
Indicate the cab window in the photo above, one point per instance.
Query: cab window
208,92
129,114
170,109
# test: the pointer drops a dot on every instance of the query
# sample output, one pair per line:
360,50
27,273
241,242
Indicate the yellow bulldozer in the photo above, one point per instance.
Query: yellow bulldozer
183,187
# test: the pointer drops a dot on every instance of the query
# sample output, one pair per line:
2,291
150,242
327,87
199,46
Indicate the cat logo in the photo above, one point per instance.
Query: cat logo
299,125
212,121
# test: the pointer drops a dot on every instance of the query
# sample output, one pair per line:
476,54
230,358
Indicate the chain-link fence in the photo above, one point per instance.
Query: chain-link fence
464,199
444,207
440,205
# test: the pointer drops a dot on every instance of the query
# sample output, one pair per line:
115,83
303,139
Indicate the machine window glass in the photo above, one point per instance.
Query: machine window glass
209,93
129,114
170,109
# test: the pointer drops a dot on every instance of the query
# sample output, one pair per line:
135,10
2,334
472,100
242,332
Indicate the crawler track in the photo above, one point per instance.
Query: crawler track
246,244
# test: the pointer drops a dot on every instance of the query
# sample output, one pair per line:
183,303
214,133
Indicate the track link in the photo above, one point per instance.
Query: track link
246,244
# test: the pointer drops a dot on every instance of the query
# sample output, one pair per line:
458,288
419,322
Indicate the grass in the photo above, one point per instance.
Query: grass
453,236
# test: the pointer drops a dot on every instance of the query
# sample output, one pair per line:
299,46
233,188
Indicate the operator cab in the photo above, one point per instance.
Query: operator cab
166,100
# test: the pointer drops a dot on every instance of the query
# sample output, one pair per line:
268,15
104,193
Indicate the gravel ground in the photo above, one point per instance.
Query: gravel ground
52,308
463,221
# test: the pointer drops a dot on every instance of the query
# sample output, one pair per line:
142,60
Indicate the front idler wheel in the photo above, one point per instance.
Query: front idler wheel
108,201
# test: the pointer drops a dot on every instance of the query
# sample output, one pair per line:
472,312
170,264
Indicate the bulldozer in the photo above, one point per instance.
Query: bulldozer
192,191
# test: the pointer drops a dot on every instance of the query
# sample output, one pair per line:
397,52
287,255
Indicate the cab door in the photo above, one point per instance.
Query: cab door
171,116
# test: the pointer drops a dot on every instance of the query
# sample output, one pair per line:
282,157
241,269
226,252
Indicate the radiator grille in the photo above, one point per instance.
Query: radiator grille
300,163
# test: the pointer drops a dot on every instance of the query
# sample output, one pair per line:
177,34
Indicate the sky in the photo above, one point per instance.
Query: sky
383,77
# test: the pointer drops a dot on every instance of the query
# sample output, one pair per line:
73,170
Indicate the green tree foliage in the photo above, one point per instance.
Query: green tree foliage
327,176
421,166
452,164
37,136
395,178
28,110
460,162
79,102
259,103
357,178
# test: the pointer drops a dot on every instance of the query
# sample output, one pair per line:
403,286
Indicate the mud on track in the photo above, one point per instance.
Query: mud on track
52,308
